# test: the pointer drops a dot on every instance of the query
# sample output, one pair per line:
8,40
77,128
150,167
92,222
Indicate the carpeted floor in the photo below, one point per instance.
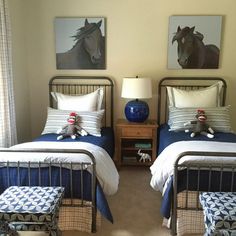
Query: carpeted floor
135,207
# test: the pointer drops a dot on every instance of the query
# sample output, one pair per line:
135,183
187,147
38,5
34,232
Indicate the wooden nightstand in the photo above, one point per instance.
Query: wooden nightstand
130,137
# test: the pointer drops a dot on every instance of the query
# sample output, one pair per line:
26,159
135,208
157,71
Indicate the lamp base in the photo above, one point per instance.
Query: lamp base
136,111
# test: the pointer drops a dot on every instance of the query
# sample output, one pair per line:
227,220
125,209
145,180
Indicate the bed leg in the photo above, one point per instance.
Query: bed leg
173,226
94,220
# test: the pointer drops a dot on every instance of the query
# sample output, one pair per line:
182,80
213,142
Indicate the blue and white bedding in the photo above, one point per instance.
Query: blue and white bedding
106,140
168,137
107,175
174,143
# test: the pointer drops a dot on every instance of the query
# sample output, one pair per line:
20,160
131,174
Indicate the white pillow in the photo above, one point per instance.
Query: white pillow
205,97
91,121
217,117
88,102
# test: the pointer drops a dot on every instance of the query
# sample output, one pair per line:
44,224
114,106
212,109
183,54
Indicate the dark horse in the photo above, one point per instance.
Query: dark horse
192,52
88,51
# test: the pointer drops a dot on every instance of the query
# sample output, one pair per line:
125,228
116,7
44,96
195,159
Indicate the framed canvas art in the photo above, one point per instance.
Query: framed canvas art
194,42
80,43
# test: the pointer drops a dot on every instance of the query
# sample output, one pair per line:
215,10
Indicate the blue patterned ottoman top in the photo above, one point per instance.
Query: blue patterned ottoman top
30,200
219,209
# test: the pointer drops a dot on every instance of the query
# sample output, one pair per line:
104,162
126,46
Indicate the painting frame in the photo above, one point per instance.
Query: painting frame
80,43
205,41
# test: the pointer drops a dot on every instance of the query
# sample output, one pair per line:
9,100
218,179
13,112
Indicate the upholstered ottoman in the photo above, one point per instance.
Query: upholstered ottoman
30,208
219,212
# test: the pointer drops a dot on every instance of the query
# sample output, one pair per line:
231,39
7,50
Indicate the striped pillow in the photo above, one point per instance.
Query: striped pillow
89,120
218,118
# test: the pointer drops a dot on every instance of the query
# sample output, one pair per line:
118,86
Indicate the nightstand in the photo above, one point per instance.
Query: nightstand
132,137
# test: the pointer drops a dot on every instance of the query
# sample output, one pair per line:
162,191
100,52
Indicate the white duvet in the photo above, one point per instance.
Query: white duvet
105,169
163,167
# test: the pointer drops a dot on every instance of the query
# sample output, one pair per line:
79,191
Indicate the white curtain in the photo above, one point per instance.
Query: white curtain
8,135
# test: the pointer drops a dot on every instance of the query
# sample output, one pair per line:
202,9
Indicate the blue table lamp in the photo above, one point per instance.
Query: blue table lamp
136,88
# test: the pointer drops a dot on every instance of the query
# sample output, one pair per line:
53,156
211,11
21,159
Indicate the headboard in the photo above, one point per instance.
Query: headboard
186,83
80,85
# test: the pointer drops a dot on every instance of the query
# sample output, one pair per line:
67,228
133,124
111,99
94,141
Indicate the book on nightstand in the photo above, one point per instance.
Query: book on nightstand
129,159
143,145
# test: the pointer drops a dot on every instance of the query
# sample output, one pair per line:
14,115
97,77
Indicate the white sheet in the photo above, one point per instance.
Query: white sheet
163,167
107,173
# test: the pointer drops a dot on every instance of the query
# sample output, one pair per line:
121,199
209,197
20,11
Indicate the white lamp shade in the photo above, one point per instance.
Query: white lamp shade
136,88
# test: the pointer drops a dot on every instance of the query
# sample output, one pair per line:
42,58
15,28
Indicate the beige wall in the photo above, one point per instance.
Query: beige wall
137,32
21,88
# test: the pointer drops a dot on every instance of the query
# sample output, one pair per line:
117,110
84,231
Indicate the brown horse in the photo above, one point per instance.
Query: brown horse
192,52
88,51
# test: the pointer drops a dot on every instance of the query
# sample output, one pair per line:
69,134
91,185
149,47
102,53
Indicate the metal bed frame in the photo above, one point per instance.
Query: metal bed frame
192,83
221,168
84,166
71,85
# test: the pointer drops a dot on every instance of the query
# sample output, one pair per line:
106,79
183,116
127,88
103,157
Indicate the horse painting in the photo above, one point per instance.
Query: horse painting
88,52
192,52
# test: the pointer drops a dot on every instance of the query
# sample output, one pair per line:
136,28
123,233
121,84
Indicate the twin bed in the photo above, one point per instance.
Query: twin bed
84,166
186,166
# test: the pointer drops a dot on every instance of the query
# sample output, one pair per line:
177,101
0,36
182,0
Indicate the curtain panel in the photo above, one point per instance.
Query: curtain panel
8,136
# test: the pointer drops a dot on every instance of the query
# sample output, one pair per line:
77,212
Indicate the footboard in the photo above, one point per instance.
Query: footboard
78,178
198,176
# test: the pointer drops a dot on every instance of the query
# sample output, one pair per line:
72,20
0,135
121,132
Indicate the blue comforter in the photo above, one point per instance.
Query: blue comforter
106,141
166,138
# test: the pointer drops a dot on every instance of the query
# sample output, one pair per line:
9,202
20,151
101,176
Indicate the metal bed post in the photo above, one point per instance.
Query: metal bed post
174,201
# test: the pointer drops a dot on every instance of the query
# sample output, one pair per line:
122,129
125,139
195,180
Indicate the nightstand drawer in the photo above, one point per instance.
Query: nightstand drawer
134,132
